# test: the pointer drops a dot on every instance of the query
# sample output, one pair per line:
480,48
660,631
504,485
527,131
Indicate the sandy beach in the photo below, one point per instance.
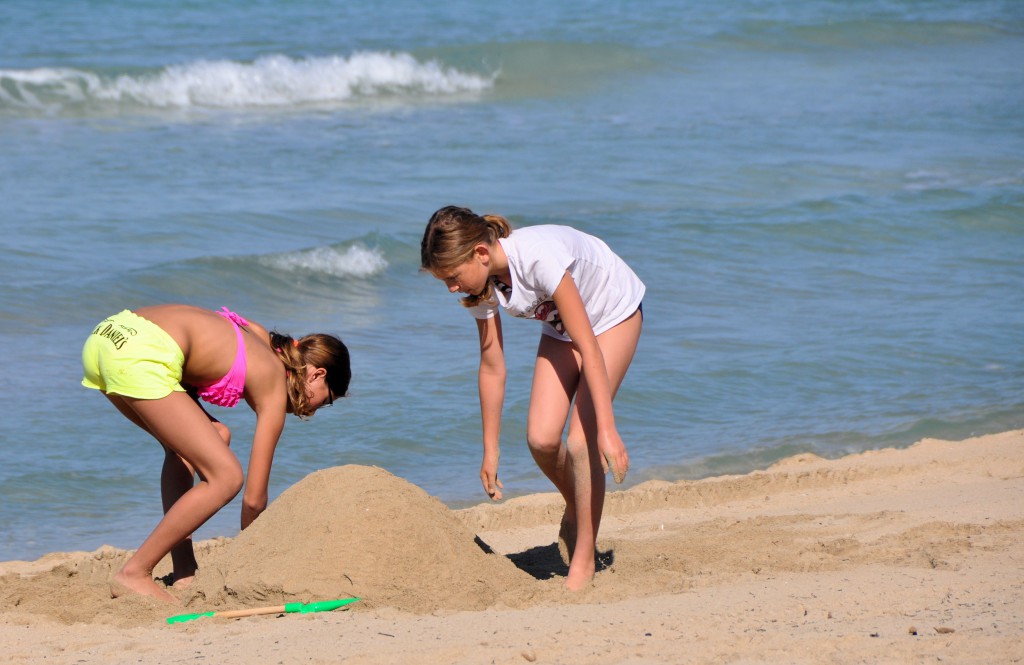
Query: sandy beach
893,556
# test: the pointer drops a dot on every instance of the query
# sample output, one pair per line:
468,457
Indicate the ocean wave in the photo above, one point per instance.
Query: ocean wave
352,261
338,272
273,81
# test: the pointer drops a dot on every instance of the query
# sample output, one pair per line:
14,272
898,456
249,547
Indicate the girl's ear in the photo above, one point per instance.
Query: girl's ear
314,373
482,252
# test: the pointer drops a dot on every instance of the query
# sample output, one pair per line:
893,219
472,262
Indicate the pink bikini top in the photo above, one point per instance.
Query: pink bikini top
228,390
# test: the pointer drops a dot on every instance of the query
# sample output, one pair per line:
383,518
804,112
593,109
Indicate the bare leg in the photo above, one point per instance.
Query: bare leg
556,378
186,432
589,485
618,346
557,467
177,478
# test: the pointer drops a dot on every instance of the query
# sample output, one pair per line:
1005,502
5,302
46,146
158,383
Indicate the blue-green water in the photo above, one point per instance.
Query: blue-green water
825,199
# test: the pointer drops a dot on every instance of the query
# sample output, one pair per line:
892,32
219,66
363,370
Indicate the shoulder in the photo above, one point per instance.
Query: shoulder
541,232
259,332
540,240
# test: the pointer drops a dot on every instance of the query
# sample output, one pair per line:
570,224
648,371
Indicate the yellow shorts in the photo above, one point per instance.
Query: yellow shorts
128,355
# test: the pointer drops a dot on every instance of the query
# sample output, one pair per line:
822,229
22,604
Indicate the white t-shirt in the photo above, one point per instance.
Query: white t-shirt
539,256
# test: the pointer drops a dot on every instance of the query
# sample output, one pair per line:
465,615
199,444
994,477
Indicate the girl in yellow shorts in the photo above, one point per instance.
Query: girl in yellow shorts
154,364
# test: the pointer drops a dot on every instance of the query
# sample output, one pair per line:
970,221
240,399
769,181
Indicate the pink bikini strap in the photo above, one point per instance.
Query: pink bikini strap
232,317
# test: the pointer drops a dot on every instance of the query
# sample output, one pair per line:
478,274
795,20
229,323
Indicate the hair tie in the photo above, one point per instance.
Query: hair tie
295,343
278,349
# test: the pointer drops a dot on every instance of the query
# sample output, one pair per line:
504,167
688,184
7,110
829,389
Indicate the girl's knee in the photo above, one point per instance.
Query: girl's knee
543,445
576,445
227,482
235,481
230,490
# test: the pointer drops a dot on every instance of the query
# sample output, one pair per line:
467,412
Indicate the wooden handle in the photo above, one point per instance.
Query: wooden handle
231,614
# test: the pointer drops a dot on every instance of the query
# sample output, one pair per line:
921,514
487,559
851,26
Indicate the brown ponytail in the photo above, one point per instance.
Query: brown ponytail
315,350
450,238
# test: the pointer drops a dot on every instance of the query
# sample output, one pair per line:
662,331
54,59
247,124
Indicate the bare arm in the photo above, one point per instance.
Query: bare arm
269,406
254,499
491,379
577,325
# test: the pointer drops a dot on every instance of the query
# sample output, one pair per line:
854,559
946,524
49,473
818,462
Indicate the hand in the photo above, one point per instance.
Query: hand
613,455
489,477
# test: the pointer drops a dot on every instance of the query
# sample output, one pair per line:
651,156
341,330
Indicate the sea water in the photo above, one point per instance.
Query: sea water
825,200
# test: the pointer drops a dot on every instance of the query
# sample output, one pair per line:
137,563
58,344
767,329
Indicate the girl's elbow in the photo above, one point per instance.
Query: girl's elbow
491,364
493,371
254,503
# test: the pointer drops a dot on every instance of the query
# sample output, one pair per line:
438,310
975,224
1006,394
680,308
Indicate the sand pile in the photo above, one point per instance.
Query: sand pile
356,531
340,532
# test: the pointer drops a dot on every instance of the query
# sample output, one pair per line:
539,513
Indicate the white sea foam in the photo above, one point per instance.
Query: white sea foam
270,81
353,261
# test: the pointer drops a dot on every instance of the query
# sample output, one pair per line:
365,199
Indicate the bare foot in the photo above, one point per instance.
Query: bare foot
579,577
183,581
566,538
124,585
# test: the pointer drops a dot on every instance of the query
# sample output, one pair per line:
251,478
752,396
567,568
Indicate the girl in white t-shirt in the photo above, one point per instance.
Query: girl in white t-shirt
589,302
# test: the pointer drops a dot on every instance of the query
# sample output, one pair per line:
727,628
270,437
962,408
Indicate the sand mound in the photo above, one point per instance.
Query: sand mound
356,531
340,532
